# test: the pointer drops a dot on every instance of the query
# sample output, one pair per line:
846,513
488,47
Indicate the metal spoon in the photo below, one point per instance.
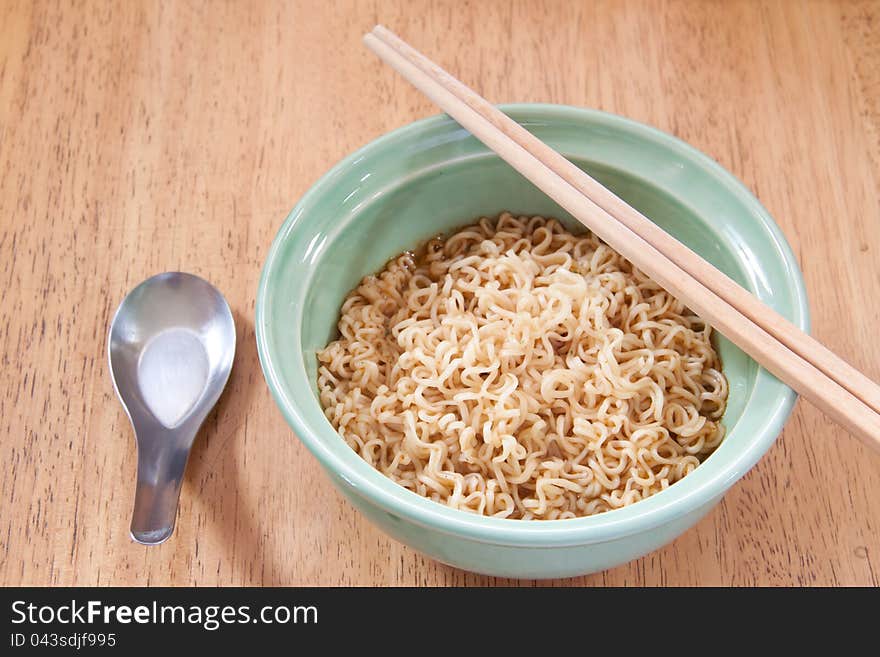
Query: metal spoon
171,347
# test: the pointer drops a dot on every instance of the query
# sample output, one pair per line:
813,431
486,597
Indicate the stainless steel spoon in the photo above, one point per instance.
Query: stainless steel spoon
171,347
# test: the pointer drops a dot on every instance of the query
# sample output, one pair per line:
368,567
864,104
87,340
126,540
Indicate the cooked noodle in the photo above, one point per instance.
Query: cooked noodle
516,370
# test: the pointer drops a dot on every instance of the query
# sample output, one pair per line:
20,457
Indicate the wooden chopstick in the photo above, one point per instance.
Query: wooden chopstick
848,409
771,321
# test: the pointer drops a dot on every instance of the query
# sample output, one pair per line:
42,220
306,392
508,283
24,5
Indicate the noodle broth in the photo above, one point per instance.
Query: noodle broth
519,370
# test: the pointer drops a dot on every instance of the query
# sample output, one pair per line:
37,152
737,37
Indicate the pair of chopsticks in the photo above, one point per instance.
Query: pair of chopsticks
843,393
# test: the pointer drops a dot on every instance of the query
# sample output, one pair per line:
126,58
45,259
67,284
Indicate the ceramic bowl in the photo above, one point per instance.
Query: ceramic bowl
432,176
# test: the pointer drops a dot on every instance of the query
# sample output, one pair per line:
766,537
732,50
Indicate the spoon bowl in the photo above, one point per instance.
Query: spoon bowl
171,346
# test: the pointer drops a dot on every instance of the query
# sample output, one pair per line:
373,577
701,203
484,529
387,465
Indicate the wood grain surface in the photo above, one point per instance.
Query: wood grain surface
140,137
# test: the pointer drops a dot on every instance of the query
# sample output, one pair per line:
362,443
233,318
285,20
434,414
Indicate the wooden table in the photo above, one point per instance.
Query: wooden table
139,137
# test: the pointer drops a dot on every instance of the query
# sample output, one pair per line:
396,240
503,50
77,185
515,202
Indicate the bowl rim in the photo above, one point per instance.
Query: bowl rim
635,518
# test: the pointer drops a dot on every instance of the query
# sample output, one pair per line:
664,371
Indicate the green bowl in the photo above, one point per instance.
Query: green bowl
433,176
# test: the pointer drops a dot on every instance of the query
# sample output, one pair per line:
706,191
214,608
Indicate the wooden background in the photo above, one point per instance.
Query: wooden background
140,137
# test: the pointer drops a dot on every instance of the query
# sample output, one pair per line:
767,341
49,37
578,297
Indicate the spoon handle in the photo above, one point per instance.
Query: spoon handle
161,464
